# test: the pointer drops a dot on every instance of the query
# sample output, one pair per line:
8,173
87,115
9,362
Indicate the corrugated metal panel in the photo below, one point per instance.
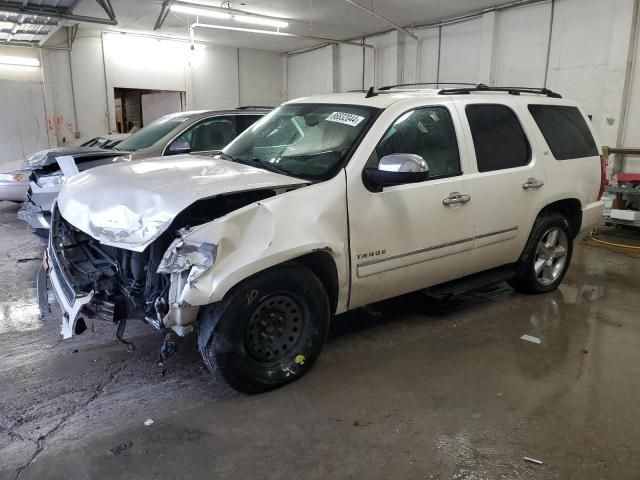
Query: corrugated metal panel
17,27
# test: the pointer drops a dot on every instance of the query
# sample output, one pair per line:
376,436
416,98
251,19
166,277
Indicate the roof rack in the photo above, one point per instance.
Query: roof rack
400,85
509,90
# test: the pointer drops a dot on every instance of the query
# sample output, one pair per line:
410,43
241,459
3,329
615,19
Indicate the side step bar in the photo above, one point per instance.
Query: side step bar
472,282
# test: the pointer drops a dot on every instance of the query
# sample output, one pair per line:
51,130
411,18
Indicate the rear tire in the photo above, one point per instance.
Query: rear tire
546,256
272,328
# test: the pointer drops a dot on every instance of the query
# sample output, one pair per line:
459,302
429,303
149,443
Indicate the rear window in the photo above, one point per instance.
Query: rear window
498,138
565,130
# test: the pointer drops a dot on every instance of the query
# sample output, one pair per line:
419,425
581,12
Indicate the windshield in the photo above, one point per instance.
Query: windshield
305,140
147,136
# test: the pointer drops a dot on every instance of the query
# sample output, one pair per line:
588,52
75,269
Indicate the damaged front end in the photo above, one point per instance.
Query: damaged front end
91,279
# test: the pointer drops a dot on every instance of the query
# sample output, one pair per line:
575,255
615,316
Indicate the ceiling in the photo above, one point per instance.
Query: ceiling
334,19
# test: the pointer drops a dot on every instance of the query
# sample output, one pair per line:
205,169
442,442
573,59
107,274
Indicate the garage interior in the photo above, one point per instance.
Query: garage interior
412,387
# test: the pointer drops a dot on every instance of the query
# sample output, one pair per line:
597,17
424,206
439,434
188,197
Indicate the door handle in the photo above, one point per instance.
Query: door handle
455,198
532,183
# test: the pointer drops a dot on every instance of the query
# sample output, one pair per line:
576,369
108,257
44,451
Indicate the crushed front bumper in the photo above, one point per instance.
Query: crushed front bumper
69,301
36,210
35,217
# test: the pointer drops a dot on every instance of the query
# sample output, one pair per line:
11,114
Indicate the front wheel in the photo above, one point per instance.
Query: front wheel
546,256
271,329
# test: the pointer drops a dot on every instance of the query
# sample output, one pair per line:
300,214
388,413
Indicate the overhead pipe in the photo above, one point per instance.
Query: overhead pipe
384,19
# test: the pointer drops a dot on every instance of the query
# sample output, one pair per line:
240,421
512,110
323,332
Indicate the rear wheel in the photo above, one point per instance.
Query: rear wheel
271,330
546,257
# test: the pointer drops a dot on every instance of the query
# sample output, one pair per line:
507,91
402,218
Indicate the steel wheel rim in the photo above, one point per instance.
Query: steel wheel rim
275,328
551,256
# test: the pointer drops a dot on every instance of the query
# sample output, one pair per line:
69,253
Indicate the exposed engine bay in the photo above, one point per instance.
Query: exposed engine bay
125,284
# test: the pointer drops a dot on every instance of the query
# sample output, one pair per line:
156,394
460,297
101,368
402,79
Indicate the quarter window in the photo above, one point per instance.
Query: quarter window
565,130
427,132
498,138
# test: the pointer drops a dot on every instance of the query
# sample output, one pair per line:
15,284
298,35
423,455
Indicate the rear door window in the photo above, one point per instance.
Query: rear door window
565,130
498,138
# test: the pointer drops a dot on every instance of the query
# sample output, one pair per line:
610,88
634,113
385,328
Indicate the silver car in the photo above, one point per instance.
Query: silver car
186,132
182,132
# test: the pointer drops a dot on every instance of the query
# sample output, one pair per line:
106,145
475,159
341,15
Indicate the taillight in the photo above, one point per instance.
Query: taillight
603,175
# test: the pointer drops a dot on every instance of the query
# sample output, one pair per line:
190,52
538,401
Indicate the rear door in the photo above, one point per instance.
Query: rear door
509,180
410,236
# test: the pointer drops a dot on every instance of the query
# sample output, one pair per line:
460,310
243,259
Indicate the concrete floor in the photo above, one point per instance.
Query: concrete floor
426,390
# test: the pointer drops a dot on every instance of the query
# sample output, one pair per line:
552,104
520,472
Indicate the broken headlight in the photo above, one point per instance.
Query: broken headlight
10,177
182,256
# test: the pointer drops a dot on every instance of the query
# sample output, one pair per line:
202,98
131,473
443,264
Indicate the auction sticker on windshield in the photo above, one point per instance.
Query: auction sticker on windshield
345,118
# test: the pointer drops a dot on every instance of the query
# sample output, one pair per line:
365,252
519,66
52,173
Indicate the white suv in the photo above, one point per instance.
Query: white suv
327,204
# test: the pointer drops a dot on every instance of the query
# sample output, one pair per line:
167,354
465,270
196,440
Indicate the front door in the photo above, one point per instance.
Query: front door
407,237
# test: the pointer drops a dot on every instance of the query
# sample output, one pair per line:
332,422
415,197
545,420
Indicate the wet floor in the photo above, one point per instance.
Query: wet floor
416,389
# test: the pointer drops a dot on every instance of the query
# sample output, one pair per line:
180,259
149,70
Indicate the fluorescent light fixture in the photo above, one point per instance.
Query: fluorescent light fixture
242,29
203,12
19,61
260,21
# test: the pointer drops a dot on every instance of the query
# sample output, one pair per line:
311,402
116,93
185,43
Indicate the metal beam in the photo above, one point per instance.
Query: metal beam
29,44
108,8
36,22
384,19
23,31
53,12
164,12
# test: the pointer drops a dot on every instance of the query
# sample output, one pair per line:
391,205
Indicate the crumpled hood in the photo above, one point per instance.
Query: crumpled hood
48,157
130,204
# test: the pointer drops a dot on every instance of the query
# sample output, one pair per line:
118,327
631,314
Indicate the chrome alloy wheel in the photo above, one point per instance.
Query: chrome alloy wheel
551,255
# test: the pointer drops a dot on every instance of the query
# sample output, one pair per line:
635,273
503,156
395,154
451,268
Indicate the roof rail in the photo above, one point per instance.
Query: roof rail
253,107
400,85
509,90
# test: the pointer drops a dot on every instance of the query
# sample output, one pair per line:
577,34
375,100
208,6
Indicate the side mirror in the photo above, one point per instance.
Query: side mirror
397,169
178,146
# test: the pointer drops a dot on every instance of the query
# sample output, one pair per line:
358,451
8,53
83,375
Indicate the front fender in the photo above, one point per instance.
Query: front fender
271,232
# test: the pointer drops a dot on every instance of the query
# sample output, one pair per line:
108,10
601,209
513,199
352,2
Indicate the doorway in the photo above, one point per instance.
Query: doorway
136,108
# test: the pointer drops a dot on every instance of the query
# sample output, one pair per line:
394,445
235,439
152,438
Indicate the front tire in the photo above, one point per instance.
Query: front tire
271,330
546,256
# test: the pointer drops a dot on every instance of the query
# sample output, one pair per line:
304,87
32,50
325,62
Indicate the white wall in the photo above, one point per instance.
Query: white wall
213,77
349,68
460,51
587,58
522,45
23,119
23,123
261,79
310,73
631,134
